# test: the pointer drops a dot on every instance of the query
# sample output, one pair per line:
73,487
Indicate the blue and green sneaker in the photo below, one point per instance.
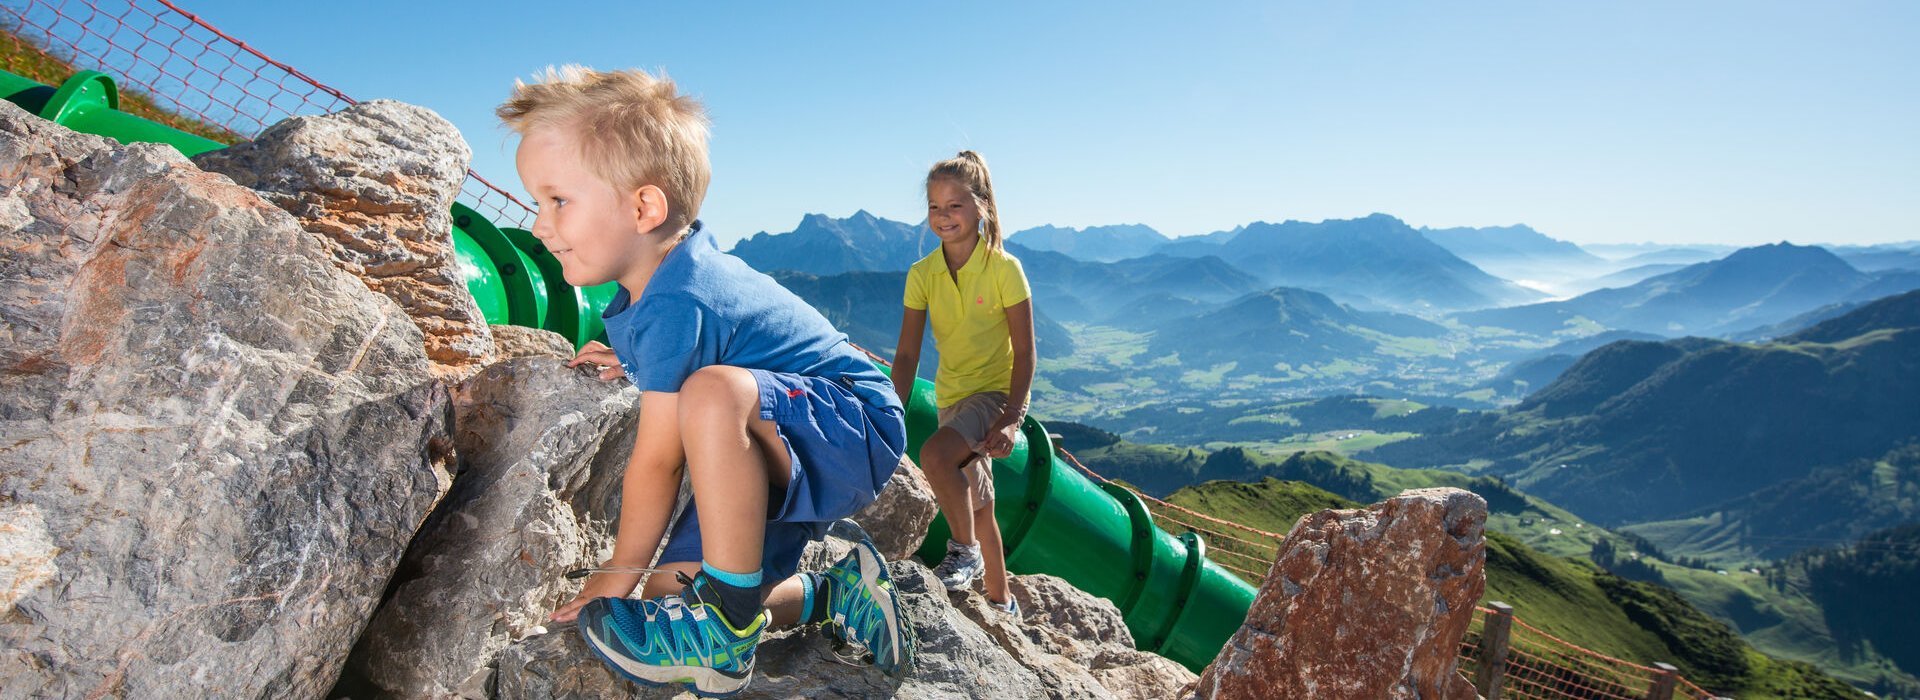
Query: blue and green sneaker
863,611
677,638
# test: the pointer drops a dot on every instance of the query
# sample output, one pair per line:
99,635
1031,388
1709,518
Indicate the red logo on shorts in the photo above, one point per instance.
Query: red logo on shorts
979,300
795,393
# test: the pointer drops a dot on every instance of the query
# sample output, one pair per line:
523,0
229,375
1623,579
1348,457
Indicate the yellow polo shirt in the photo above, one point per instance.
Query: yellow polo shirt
969,317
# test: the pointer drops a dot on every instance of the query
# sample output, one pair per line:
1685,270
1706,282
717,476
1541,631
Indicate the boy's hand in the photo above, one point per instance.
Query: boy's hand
606,585
1000,437
602,357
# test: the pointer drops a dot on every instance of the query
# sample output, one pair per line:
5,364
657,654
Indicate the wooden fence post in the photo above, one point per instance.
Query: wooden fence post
1662,687
1493,651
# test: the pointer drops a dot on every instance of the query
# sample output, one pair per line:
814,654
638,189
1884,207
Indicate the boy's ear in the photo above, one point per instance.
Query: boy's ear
649,208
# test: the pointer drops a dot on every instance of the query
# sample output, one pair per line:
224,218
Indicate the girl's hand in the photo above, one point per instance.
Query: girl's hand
1000,437
605,585
600,356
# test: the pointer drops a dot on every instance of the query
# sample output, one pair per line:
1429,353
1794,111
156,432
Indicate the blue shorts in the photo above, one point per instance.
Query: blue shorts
843,451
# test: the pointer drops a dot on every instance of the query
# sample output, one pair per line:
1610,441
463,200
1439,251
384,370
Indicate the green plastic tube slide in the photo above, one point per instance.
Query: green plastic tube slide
1099,537
1102,539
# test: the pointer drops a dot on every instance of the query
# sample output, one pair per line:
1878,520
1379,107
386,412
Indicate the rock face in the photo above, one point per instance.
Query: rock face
542,449
1077,644
226,440
1363,604
956,660
520,341
375,182
1068,644
897,520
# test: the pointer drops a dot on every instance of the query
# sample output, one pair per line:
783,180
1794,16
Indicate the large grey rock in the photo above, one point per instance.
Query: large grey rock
897,520
957,660
542,450
520,341
227,440
1365,603
1089,631
375,182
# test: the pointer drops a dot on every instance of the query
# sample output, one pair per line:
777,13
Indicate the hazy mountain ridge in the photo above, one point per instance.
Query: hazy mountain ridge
1638,431
1750,288
1093,243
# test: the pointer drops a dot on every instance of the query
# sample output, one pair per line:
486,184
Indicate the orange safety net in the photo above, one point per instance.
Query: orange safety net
214,84
1541,665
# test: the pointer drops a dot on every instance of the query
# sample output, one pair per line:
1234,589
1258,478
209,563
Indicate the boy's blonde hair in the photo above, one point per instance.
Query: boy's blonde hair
634,130
969,170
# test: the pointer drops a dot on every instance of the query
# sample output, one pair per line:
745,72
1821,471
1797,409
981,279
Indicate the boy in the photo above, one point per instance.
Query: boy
782,425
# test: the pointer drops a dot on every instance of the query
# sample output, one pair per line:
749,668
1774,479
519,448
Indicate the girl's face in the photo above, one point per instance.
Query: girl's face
951,211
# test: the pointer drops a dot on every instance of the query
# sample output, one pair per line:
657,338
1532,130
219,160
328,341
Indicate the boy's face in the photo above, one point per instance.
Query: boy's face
951,211
587,223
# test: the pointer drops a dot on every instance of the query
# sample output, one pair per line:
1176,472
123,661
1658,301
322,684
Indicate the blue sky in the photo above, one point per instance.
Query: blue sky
1721,122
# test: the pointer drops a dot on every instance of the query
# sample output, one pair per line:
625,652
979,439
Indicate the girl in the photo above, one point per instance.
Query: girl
982,315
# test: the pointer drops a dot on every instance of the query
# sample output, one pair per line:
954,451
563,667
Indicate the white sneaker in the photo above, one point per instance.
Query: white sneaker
1011,607
962,567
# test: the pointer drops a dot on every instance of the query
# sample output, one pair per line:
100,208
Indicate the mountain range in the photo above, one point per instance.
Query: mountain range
1752,287
1644,431
1377,260
823,245
1094,243
1520,253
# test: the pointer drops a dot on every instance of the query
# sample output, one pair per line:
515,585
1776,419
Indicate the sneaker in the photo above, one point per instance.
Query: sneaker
863,611
673,639
962,567
1011,607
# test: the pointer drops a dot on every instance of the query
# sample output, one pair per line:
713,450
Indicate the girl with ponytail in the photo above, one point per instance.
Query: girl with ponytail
977,297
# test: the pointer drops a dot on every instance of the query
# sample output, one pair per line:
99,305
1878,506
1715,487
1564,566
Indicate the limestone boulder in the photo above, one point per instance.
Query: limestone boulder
1367,603
542,450
897,520
375,183
520,341
957,659
221,440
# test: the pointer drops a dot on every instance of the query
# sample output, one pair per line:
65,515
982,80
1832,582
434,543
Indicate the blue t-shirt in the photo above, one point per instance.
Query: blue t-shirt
705,307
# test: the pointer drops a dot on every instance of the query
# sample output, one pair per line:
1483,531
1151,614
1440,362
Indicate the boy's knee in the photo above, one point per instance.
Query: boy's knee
716,389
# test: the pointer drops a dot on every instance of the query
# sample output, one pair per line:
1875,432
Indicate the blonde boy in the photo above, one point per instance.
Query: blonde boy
781,424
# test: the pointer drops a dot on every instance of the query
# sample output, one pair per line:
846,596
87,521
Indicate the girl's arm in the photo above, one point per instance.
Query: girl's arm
647,495
906,359
1020,328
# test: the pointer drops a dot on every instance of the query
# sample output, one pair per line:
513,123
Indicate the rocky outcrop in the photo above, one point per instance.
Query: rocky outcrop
375,183
1076,643
520,341
1365,603
225,440
542,449
956,660
967,649
897,520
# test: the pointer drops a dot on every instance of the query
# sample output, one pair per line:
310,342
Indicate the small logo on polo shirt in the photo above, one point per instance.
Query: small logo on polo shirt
979,300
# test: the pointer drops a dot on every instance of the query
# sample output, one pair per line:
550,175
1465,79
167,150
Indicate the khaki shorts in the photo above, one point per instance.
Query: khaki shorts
971,417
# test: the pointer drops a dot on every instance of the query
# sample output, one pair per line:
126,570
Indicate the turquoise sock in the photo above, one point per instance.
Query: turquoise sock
747,580
739,594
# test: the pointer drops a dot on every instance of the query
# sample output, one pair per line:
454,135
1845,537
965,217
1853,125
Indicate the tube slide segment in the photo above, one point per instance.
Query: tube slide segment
1099,537
1102,539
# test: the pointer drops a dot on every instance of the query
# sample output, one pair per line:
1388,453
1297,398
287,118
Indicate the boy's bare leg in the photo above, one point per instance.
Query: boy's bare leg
987,531
735,459
784,601
941,458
